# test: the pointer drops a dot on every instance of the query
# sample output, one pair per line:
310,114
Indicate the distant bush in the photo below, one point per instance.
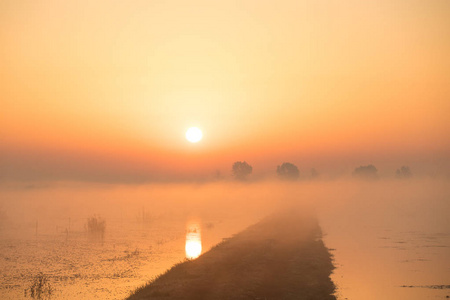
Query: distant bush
40,287
241,170
404,172
314,174
366,172
96,226
218,175
288,171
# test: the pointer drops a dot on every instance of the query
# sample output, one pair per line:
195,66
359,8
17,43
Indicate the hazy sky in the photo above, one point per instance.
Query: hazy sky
105,90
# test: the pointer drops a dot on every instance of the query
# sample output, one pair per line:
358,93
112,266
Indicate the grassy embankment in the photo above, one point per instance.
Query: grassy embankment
281,257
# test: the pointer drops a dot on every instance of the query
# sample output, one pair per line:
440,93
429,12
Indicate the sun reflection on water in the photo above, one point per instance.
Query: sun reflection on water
193,241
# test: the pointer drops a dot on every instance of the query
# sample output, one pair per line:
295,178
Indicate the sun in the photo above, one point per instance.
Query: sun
194,134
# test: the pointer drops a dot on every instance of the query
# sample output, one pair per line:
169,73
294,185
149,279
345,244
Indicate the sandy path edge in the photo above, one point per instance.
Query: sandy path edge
281,257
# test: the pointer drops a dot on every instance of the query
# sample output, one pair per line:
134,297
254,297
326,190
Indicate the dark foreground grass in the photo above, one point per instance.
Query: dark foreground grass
281,257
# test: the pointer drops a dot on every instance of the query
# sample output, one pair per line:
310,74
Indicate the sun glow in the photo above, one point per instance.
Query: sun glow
194,134
193,241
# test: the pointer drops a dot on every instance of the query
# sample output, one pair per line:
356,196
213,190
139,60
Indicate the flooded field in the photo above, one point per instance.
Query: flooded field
391,243
50,231
390,239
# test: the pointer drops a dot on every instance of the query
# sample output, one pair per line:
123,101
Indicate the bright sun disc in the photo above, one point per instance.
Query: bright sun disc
194,135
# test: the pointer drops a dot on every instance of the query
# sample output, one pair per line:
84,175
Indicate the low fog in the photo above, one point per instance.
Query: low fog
96,234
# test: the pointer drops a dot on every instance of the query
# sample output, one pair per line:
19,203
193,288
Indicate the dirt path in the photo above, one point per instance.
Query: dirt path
281,257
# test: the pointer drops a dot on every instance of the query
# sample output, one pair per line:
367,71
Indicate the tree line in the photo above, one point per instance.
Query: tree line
241,170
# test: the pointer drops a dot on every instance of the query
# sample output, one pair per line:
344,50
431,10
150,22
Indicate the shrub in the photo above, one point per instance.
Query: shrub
403,172
366,172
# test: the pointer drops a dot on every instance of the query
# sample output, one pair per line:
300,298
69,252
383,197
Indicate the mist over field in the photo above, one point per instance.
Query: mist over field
385,233
225,149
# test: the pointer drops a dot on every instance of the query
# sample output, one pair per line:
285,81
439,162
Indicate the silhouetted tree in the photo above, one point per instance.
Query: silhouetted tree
287,171
241,170
366,172
403,172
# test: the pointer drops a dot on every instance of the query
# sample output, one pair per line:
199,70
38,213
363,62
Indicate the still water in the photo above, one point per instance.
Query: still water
391,242
390,239
193,245
104,242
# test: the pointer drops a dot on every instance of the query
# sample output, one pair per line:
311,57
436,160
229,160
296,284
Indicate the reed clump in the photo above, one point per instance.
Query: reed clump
96,227
40,287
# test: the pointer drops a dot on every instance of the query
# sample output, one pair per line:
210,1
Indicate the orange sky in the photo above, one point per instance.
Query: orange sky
94,90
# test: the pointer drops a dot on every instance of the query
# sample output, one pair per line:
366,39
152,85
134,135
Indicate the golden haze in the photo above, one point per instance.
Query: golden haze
94,89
